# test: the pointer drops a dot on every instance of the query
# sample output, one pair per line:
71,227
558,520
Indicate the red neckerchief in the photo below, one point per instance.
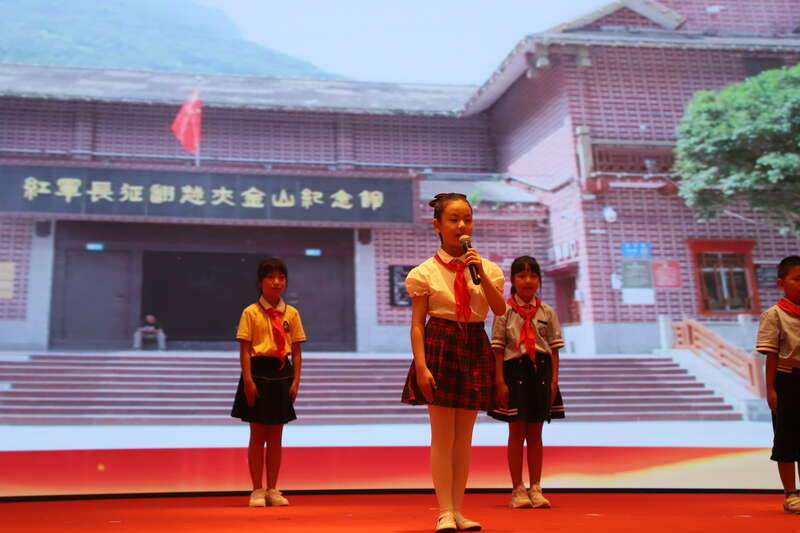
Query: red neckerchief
789,306
276,320
527,334
463,310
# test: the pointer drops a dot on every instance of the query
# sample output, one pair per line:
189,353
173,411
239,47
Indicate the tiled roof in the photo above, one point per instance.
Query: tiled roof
492,191
110,85
655,11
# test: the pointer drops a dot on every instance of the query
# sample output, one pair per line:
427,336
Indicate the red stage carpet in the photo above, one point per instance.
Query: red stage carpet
406,513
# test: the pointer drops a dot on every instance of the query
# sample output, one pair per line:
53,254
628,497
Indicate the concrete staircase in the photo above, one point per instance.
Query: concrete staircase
171,388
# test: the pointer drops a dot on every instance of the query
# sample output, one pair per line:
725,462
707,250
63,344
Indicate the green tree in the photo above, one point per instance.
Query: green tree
743,142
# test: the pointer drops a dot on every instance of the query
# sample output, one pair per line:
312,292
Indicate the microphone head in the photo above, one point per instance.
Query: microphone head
466,240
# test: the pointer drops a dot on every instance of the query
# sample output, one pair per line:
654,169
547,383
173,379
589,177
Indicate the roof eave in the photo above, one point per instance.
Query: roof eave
515,65
223,105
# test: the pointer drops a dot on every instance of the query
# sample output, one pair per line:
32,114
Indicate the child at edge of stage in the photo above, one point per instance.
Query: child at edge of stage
453,371
525,340
269,331
779,339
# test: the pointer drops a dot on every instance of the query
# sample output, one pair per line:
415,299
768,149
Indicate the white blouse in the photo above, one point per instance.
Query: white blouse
435,281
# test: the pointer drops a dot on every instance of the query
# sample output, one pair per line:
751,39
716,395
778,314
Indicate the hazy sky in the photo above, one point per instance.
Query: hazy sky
425,41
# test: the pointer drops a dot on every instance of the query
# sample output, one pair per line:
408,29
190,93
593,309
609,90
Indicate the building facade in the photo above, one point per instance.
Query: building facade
566,152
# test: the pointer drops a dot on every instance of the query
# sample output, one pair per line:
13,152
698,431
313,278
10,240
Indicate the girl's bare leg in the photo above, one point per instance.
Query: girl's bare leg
535,452
274,449
255,453
517,432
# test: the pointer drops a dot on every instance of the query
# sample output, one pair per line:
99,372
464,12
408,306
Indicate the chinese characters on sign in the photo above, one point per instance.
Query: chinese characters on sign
103,191
205,195
636,249
666,275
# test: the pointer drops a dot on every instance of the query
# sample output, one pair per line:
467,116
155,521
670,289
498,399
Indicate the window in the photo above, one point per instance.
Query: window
755,65
725,276
724,282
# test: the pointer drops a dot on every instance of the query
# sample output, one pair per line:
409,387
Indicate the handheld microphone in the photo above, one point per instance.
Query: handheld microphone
466,242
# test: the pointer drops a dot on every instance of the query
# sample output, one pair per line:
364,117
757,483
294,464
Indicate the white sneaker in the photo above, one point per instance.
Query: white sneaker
538,500
275,498
791,503
446,523
257,498
520,498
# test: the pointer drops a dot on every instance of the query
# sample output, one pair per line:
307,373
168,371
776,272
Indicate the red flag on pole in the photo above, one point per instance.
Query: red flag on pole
188,121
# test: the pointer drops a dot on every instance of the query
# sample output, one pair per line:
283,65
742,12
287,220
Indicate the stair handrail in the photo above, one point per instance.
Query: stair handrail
692,335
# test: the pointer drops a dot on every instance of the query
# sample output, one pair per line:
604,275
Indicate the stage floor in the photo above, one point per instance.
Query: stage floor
406,513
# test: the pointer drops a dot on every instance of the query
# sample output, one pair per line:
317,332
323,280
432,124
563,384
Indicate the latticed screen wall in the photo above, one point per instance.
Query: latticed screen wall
116,130
640,94
15,256
434,141
28,125
753,16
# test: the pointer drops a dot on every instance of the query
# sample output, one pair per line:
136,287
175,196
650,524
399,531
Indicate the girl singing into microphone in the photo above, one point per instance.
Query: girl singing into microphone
453,371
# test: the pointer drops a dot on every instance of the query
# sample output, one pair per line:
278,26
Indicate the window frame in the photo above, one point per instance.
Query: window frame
741,247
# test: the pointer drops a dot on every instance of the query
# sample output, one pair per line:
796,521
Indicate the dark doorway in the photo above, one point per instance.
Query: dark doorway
97,298
196,280
198,296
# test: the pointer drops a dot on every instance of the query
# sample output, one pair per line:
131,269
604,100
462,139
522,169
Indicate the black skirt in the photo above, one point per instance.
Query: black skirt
529,391
273,404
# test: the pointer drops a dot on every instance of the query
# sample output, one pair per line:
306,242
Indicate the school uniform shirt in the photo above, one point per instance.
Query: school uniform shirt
434,280
507,327
256,327
779,333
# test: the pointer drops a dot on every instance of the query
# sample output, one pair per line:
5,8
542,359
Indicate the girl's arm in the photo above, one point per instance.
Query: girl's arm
493,296
250,390
297,363
554,381
419,310
771,372
499,379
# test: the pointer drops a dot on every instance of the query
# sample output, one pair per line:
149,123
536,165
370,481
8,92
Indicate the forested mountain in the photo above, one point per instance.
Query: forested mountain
174,35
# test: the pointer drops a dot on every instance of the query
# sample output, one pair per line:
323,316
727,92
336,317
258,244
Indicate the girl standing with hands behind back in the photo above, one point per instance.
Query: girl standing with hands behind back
526,340
453,371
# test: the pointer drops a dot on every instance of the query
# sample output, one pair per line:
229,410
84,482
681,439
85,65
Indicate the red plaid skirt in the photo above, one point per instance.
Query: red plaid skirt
462,363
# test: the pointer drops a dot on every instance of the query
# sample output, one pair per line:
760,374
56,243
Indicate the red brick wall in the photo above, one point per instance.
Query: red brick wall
29,125
317,138
753,16
15,236
434,141
639,94
645,215
413,246
533,131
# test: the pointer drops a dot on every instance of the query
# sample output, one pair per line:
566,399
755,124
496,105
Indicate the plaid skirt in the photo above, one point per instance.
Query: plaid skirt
273,403
529,391
462,364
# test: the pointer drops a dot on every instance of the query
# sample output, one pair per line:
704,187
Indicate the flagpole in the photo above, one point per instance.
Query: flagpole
197,156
